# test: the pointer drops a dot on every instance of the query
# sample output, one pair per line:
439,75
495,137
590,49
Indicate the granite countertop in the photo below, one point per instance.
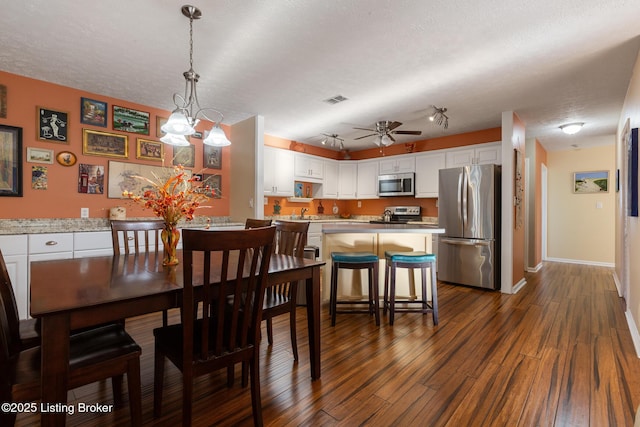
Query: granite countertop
420,228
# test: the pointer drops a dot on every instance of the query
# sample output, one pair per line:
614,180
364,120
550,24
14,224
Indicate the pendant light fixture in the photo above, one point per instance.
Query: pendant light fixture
188,111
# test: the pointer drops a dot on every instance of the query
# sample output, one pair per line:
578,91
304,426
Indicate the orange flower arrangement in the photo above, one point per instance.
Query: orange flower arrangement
171,199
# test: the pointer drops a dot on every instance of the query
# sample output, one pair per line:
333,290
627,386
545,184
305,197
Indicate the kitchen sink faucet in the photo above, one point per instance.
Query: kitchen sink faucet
302,211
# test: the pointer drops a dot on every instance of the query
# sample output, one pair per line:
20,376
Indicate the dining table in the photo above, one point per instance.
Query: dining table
76,293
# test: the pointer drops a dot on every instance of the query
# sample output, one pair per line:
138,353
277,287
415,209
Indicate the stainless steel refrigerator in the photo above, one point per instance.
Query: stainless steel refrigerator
469,211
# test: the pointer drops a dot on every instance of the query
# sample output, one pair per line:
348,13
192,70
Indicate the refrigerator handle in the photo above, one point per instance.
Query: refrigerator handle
460,179
465,242
465,185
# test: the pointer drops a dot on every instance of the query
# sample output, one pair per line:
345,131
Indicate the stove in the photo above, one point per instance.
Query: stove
400,215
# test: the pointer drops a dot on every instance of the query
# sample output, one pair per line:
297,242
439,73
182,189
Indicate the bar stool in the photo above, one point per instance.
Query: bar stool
355,261
421,260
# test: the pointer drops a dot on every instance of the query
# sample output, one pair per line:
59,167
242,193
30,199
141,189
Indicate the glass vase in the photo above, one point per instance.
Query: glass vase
170,237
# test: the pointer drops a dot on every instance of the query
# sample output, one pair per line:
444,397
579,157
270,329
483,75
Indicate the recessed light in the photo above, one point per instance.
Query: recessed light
571,128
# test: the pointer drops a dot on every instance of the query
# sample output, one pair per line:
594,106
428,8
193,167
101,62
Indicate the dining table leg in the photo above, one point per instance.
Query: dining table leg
55,369
313,320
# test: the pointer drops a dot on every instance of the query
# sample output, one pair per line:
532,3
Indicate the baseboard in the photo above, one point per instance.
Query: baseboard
618,283
578,261
534,269
635,336
521,284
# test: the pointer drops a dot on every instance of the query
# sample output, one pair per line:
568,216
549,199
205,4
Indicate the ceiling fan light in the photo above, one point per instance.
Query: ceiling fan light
385,140
175,140
571,128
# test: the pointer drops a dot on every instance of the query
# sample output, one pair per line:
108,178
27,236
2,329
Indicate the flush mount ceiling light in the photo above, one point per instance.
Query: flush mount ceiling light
439,117
188,112
571,128
334,140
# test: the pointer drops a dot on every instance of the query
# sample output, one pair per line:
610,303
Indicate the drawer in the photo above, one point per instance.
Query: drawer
50,243
13,245
92,240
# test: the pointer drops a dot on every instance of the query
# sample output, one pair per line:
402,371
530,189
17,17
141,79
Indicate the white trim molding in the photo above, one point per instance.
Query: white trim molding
579,261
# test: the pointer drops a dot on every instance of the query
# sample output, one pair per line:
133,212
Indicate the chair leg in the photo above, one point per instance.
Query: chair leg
116,385
425,304
187,397
231,375
135,393
292,327
158,380
270,331
256,402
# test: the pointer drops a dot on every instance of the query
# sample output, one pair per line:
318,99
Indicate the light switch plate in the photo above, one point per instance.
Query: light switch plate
84,212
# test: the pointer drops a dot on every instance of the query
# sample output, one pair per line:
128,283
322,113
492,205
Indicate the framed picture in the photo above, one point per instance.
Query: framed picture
197,135
52,125
98,143
10,161
128,120
93,112
185,156
123,176
160,121
214,184
212,157
39,155
66,158
90,179
39,178
3,101
149,150
591,182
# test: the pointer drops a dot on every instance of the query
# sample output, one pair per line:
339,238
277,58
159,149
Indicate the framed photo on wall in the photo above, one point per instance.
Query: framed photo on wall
185,156
160,121
212,157
591,182
96,143
149,150
11,161
212,185
129,120
93,112
39,155
52,125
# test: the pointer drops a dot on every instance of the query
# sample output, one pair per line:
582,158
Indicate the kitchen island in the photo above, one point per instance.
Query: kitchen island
375,238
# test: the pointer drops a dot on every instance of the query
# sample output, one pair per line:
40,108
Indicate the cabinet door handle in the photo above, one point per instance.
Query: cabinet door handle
51,243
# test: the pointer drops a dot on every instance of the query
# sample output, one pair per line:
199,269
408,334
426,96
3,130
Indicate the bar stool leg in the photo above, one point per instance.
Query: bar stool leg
385,300
434,294
373,293
334,290
392,294
423,273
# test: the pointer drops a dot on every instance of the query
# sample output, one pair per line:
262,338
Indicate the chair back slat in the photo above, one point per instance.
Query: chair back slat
224,328
291,237
123,231
257,223
9,318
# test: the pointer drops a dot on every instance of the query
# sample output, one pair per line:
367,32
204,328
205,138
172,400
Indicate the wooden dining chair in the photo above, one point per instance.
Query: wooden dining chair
290,239
138,237
256,223
95,354
220,335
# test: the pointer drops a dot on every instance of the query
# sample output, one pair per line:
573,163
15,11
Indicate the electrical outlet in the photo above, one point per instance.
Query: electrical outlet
84,212
359,203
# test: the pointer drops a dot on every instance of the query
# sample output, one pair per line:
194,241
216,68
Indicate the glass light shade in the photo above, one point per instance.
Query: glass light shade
386,141
175,140
377,140
571,128
216,138
178,124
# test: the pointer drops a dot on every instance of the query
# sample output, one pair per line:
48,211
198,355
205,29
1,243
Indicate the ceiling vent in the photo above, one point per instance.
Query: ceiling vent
335,100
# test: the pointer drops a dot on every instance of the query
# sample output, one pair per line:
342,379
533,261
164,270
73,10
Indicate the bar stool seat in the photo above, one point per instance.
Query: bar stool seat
412,260
355,261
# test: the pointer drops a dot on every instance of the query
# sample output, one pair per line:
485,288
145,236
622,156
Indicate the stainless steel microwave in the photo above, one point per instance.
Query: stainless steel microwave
400,184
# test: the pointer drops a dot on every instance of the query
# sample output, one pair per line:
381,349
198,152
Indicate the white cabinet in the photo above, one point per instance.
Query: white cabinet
480,154
396,164
329,187
348,177
367,179
308,168
314,236
427,173
92,243
49,246
278,172
14,252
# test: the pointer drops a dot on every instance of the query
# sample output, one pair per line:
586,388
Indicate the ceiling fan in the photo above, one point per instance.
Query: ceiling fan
383,131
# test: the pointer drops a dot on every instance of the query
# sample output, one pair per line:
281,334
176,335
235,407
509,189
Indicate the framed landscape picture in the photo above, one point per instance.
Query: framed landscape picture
212,157
591,182
149,150
52,125
93,112
39,155
129,120
185,156
10,161
96,143
123,176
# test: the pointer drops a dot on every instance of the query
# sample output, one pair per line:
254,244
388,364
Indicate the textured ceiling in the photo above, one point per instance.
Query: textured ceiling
550,61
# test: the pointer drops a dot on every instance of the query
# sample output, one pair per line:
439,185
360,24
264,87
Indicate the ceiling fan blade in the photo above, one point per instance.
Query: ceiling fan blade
366,136
407,132
370,130
391,138
393,125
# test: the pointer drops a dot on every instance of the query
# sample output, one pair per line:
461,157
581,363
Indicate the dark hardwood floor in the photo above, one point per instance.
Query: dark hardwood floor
558,353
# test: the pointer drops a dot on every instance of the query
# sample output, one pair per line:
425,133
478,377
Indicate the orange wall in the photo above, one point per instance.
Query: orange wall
374,206
61,199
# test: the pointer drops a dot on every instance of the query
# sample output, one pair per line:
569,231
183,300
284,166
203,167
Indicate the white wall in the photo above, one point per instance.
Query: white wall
246,173
581,227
